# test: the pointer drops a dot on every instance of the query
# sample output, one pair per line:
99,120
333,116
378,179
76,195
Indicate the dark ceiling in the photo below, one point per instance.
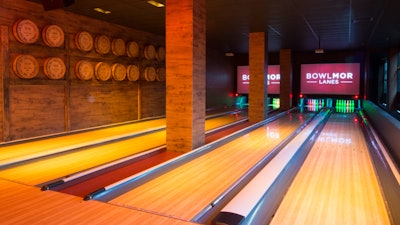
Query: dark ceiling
301,25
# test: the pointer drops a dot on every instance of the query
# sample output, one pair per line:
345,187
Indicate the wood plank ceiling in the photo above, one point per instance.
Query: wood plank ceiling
302,25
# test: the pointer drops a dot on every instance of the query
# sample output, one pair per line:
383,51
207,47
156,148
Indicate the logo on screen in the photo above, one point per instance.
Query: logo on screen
273,79
331,78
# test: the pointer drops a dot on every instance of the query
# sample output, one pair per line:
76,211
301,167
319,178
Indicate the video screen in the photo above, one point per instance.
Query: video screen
330,78
273,76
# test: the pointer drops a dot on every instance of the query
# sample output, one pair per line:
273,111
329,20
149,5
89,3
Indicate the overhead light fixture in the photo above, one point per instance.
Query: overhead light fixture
229,54
319,50
155,3
100,10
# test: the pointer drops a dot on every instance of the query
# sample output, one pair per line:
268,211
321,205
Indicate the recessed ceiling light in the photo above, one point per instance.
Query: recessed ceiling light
156,4
100,10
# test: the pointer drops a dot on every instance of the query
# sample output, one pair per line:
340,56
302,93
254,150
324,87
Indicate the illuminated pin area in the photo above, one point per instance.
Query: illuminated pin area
241,101
344,105
275,103
315,105
340,105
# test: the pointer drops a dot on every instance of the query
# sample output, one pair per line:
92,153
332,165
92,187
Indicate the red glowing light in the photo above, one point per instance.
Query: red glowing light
356,97
301,95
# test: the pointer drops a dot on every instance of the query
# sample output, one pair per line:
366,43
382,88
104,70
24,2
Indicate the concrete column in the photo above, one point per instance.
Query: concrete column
258,76
392,78
285,59
185,74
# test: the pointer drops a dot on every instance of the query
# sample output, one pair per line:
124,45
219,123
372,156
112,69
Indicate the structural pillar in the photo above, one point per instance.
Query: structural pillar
285,59
185,74
392,79
258,58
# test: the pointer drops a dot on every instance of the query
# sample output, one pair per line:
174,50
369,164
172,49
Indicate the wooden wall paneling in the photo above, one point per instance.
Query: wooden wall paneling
67,86
139,103
100,104
152,99
4,107
31,114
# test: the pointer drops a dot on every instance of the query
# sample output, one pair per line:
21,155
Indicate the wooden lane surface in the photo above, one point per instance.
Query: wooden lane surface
213,123
35,146
337,183
21,149
22,204
39,171
42,170
92,184
186,190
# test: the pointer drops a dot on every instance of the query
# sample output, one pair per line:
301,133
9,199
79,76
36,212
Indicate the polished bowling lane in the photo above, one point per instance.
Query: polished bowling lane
14,152
185,191
45,169
337,183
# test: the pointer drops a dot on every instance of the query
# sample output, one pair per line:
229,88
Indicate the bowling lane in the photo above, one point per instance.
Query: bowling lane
337,183
23,150
95,182
33,148
183,192
35,172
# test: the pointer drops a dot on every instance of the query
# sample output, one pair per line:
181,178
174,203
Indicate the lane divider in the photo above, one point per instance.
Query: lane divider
267,188
386,170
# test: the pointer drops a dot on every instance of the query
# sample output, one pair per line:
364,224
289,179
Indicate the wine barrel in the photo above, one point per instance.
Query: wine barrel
133,73
26,66
150,52
118,72
84,70
118,47
102,44
149,74
161,74
84,41
54,68
102,71
160,54
132,49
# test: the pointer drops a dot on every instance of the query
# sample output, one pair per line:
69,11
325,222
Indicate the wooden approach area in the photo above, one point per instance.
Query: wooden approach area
23,204
185,191
337,183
